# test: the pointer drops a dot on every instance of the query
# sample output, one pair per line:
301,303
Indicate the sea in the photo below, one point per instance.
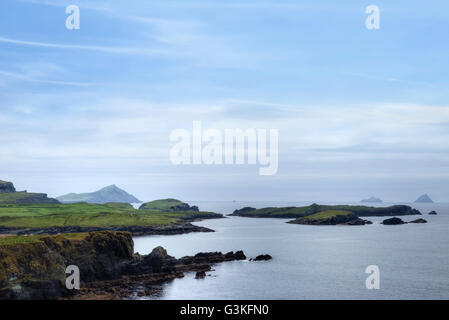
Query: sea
312,262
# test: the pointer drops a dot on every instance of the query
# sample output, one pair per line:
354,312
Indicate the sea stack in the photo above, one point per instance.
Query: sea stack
424,199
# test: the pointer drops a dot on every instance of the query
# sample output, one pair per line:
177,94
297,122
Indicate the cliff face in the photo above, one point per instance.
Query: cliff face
6,187
37,270
35,267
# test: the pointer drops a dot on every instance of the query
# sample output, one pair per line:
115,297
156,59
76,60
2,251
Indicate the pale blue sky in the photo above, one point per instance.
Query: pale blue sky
360,112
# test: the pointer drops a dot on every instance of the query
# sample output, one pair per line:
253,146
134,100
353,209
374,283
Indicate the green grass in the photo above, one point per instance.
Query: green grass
86,215
15,196
162,205
299,212
326,214
272,212
13,240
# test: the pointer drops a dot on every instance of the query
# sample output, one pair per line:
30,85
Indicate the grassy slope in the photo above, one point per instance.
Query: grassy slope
14,196
85,215
164,204
13,240
326,214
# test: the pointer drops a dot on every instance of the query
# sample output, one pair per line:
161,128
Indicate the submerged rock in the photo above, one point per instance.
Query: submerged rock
393,221
200,275
433,213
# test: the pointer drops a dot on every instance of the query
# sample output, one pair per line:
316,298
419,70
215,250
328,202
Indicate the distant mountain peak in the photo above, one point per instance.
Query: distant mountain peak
424,199
107,194
372,199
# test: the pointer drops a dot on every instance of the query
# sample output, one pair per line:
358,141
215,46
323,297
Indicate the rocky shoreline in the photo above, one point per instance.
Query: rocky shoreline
109,268
143,275
134,230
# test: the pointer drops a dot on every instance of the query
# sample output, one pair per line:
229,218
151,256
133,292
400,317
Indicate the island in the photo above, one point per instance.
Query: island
110,193
331,217
424,199
300,212
372,200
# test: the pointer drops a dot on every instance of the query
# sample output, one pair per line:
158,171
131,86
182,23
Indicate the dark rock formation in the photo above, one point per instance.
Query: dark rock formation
6,187
108,267
200,275
393,221
262,257
419,221
433,213
37,270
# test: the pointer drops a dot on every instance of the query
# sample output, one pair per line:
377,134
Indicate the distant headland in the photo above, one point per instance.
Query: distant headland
111,193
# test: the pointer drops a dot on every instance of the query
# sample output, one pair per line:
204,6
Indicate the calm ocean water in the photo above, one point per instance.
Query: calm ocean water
313,262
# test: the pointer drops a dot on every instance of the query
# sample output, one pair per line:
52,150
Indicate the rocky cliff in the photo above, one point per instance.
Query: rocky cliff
36,270
6,187
35,267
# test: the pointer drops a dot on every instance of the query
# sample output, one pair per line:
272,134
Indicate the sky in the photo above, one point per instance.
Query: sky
359,112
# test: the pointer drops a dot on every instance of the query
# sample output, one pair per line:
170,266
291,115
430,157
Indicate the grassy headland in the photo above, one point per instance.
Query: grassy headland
90,215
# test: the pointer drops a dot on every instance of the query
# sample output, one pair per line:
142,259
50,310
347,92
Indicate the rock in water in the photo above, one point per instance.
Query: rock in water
393,221
433,213
200,275
424,199
418,221
262,257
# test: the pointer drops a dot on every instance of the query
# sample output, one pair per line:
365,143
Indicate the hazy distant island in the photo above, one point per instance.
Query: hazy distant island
316,214
372,200
424,199
110,193
8,194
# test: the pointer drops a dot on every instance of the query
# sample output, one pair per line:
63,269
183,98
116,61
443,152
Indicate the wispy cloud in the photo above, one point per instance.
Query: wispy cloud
56,82
115,50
